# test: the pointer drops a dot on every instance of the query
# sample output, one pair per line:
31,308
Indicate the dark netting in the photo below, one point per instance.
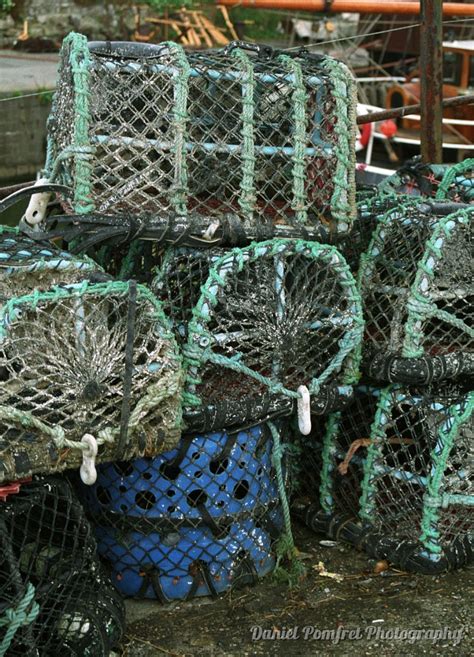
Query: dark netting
416,285
84,366
414,178
415,482
152,130
330,459
26,264
270,318
54,599
201,519
458,183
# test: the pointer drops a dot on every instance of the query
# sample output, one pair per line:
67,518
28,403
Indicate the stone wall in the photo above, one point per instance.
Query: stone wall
98,19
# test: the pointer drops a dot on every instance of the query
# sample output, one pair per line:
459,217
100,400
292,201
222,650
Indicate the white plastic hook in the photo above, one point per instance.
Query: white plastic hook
87,470
304,411
36,210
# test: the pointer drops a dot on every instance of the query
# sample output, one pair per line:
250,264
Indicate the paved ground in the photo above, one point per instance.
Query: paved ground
25,72
374,607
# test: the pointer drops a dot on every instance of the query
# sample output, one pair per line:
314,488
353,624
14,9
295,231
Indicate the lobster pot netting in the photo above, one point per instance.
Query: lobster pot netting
26,265
458,183
270,317
416,284
330,465
198,520
414,478
415,179
154,130
82,359
54,599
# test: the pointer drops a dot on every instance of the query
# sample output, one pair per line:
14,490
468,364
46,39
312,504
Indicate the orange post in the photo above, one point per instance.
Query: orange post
356,6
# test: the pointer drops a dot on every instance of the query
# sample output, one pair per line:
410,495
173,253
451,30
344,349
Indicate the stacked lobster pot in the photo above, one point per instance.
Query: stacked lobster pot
69,399
395,471
211,187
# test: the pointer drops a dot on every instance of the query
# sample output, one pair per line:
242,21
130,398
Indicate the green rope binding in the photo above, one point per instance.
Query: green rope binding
247,197
15,617
180,191
450,176
327,480
374,452
420,307
299,99
345,94
82,150
285,547
198,349
433,498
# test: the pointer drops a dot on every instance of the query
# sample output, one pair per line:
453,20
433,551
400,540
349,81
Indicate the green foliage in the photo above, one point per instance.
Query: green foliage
161,5
6,6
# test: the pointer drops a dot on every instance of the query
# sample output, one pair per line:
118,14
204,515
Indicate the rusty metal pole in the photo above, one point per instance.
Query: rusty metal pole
431,72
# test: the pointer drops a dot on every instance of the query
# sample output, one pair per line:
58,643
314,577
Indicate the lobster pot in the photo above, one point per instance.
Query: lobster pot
198,520
95,359
416,481
54,598
154,130
458,183
416,281
330,459
261,321
26,265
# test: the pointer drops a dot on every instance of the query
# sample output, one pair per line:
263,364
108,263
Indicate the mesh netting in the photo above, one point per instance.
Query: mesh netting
199,520
54,599
416,284
415,178
458,183
320,478
26,264
409,462
85,359
152,129
269,318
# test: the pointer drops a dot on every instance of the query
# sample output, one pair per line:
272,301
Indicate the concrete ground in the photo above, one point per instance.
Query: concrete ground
26,72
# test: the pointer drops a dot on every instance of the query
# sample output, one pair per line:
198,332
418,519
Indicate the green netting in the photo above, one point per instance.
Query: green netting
458,183
398,465
152,130
416,284
85,359
272,316
54,598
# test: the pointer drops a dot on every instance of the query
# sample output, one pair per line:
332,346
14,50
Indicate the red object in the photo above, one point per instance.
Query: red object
365,133
388,128
11,489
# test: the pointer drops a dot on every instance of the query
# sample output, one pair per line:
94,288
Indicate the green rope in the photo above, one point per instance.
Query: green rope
285,547
299,99
343,198
180,192
432,500
420,307
15,617
247,197
79,57
450,176
374,452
